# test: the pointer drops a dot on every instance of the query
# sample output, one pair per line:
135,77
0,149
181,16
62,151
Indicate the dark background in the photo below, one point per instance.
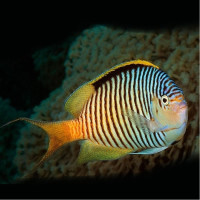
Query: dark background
28,27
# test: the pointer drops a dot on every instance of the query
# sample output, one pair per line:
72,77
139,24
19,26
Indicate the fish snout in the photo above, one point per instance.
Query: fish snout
183,105
183,112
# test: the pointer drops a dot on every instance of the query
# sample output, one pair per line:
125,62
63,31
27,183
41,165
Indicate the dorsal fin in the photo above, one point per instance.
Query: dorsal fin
118,68
76,101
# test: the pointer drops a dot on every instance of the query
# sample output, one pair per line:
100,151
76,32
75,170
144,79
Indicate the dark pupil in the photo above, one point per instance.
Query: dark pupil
164,100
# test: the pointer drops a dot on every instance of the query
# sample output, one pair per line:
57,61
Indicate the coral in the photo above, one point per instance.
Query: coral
91,53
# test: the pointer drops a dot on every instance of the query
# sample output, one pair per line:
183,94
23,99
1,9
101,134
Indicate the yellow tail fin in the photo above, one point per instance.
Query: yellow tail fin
59,132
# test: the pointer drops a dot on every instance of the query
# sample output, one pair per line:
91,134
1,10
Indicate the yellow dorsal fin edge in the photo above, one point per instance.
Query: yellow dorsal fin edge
124,64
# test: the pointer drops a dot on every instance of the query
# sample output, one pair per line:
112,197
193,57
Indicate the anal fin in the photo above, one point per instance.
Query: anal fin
148,126
93,152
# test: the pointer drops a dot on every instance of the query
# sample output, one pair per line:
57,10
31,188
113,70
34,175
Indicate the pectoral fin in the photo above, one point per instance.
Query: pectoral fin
93,152
148,126
151,151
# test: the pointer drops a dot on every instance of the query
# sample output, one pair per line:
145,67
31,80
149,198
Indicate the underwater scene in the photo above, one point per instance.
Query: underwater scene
58,70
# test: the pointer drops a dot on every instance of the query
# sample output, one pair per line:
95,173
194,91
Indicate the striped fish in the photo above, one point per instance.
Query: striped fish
134,108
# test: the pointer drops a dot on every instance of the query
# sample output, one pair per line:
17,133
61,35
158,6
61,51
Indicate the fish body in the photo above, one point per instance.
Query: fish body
105,120
134,108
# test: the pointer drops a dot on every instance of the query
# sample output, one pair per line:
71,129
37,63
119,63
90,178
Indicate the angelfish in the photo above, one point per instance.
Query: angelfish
133,108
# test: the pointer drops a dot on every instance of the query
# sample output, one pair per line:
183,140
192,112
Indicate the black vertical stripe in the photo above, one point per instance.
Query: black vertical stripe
144,89
161,139
131,105
138,104
93,125
125,103
86,122
140,90
145,97
159,87
160,103
162,87
120,102
152,140
175,93
170,88
82,125
156,83
165,78
115,105
149,91
162,74
88,118
106,115
153,82
100,120
133,102
127,96
137,109
111,116
130,135
157,138
142,103
103,102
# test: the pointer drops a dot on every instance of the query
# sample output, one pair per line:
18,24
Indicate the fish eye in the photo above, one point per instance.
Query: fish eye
165,100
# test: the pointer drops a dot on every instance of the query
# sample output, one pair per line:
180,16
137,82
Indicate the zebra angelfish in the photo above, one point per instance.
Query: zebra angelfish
133,108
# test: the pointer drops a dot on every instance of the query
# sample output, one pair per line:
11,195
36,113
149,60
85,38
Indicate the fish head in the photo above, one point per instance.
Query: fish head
171,111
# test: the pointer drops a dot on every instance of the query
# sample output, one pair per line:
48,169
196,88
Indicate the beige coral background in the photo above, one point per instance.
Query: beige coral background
91,53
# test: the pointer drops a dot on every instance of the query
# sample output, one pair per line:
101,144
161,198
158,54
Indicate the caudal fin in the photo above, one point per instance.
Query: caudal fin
59,132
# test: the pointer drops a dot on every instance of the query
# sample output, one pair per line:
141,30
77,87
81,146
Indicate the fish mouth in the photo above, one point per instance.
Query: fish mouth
183,105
